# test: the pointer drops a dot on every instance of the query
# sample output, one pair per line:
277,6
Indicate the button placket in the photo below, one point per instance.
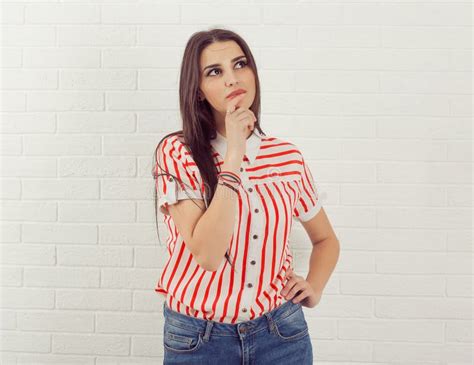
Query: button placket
243,177
254,246
250,275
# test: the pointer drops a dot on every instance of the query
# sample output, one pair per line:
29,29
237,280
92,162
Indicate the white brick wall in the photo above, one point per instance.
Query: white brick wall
378,94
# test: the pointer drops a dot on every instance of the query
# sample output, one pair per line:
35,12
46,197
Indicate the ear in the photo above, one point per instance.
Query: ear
201,95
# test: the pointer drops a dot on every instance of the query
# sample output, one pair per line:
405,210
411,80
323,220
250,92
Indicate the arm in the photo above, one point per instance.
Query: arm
206,232
325,252
214,230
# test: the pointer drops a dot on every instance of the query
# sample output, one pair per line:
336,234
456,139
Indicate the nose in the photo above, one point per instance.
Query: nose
231,79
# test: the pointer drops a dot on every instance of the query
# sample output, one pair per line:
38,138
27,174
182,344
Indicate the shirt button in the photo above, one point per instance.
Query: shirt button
244,310
249,285
252,262
255,236
241,169
256,210
170,179
250,189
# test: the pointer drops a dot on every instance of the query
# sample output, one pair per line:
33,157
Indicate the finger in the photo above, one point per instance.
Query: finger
296,291
253,115
234,101
301,296
246,116
288,287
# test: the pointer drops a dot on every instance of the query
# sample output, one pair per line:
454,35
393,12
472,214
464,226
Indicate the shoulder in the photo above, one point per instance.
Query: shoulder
173,146
173,139
283,145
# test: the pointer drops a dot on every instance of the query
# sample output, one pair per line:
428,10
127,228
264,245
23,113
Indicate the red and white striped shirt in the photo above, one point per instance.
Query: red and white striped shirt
277,186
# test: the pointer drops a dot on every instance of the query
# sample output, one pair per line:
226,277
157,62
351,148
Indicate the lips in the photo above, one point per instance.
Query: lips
235,93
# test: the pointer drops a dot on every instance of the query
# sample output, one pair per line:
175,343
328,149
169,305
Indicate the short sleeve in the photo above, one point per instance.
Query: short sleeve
308,203
174,159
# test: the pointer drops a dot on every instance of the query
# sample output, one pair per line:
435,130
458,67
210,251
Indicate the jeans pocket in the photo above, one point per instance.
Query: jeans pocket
292,327
180,340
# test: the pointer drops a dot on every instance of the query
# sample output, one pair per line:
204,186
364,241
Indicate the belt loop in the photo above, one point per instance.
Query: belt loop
207,332
271,324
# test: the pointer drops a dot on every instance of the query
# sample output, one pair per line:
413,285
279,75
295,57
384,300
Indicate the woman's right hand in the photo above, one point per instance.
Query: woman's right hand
238,124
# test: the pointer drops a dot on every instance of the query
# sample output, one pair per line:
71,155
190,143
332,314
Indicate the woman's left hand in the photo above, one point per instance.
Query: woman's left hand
298,285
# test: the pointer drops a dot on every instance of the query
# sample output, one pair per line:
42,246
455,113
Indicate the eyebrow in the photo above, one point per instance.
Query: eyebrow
218,64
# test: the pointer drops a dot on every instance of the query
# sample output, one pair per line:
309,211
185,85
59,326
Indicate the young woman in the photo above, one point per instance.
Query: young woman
228,194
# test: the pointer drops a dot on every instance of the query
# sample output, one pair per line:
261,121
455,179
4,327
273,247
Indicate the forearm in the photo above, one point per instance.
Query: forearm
215,228
322,262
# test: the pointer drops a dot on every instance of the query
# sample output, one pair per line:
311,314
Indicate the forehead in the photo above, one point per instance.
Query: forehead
220,51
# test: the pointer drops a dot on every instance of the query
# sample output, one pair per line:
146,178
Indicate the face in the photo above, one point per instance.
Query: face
231,74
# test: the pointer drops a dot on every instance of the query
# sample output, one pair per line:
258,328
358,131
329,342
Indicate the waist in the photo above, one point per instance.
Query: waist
229,329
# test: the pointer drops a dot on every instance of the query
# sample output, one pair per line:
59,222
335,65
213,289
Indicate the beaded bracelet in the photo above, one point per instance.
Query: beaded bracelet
231,173
229,186
232,184
232,177
229,179
232,181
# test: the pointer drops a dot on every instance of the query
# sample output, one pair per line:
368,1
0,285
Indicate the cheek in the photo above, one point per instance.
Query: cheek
249,76
213,91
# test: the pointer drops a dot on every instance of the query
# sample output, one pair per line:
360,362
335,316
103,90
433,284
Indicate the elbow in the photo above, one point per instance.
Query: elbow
208,268
206,264
206,260
202,260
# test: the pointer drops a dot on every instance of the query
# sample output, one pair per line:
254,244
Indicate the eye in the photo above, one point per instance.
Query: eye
243,62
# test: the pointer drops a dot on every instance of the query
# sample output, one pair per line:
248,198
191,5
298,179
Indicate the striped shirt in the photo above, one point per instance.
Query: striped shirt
277,186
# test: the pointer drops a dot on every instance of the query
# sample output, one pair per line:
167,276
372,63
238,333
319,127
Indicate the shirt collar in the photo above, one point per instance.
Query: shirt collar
251,150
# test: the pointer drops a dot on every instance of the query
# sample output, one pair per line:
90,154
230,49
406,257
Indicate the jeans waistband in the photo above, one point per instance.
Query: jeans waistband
228,329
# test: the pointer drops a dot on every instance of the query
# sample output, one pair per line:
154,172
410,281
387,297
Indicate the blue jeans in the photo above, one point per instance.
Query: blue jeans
278,337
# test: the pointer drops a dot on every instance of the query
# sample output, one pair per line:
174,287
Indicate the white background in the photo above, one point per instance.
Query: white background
377,95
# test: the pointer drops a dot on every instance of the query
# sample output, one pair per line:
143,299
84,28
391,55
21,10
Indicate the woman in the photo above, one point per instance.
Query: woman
228,194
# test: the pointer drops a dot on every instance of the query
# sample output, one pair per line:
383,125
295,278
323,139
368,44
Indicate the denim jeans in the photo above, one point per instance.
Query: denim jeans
278,337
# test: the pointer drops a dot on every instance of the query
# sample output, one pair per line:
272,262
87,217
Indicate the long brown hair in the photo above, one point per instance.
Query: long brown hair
199,126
